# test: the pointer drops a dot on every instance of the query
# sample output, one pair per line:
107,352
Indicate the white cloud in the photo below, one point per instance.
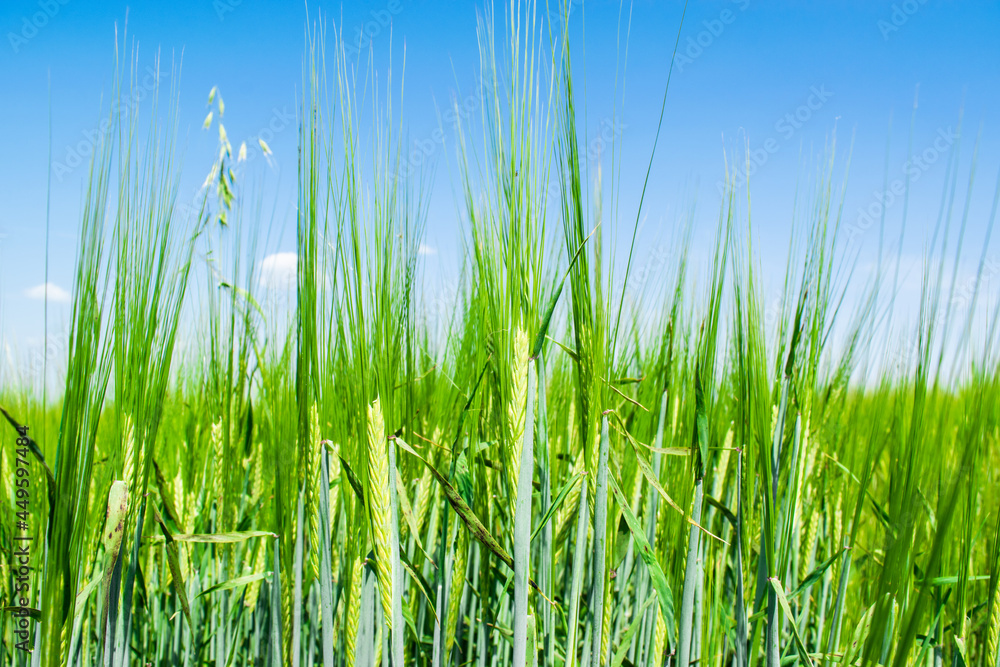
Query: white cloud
424,249
278,270
54,293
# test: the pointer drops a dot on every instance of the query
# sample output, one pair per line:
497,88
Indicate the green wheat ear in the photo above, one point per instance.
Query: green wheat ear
333,459
516,410
257,472
994,626
259,565
114,531
424,492
456,589
659,637
312,489
128,457
353,611
215,449
380,513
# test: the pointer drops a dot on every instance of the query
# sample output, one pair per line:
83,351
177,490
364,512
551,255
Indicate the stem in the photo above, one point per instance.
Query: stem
522,526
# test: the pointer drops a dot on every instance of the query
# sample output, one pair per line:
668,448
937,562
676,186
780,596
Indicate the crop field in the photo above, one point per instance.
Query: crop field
545,473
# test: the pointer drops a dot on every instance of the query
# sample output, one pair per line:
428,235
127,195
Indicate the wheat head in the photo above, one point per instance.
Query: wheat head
353,611
516,411
312,488
380,511
455,589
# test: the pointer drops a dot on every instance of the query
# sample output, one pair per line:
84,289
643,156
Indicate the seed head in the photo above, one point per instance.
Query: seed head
353,612
379,509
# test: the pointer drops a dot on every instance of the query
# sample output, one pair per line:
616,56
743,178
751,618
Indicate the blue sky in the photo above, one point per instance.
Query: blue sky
779,77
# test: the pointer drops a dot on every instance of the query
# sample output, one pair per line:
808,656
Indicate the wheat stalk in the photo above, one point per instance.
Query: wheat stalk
128,458
312,488
379,510
133,459
257,472
993,634
218,464
455,589
425,491
114,532
259,565
334,462
659,637
812,528
353,611
606,625
516,411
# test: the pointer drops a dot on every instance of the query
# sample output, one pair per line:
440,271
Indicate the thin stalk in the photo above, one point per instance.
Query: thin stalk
522,525
688,610
545,548
741,638
399,628
276,652
652,507
576,585
600,538
297,582
325,558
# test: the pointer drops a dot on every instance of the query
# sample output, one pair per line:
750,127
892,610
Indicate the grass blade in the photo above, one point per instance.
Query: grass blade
664,595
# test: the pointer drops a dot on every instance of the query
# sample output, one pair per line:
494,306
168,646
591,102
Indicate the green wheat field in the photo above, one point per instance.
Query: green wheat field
543,473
